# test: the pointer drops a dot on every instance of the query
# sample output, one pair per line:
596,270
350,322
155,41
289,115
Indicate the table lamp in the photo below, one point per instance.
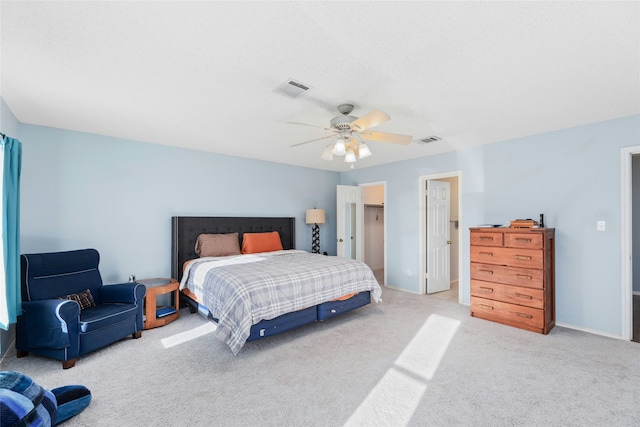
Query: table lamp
315,217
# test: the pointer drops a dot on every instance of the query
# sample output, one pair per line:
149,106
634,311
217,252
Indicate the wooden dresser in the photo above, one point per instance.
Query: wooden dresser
513,275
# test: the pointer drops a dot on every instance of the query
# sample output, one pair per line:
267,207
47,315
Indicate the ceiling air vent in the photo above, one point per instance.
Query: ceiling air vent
292,88
429,139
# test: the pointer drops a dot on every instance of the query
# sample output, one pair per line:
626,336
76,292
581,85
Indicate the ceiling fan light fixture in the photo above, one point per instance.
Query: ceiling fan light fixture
350,132
364,151
339,148
350,157
327,154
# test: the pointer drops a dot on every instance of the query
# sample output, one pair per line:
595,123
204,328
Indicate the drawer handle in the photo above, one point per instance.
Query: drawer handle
486,253
486,238
526,316
487,290
523,296
486,271
526,257
522,239
524,276
487,307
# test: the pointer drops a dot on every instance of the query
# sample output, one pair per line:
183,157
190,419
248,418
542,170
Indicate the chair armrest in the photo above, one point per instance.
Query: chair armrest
123,293
47,323
50,312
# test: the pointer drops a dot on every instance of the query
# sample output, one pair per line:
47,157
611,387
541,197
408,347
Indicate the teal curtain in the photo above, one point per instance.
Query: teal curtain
10,298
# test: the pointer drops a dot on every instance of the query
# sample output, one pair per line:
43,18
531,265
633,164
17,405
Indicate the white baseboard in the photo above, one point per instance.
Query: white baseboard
399,289
590,331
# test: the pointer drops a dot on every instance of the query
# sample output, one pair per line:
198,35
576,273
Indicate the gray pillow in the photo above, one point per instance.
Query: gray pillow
217,245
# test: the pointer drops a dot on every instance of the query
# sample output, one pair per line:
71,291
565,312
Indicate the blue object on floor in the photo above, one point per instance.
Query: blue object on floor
71,400
25,403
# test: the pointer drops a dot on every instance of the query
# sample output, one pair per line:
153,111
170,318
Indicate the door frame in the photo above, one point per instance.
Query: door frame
384,225
626,154
422,219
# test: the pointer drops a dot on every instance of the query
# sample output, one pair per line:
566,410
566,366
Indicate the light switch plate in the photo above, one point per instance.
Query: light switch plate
601,226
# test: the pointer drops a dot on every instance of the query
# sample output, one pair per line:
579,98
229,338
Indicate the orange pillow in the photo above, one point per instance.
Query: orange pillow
261,242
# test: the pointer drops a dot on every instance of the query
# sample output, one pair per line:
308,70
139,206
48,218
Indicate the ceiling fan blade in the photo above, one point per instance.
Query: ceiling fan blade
317,139
369,120
393,138
313,126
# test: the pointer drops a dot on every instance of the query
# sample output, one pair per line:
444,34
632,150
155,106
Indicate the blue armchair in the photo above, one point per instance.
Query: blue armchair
62,321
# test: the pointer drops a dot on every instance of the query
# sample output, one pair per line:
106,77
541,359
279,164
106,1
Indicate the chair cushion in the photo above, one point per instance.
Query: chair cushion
103,315
52,275
83,298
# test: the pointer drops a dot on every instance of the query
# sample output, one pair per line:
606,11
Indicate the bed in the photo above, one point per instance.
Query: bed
258,294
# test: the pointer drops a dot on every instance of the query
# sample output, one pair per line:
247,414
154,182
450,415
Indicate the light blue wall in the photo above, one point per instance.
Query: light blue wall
83,190
572,176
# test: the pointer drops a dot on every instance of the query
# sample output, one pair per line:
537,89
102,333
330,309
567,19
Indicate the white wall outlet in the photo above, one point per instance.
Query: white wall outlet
601,226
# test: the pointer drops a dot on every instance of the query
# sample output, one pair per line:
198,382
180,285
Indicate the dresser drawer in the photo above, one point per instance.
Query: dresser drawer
507,293
523,240
485,238
516,257
517,315
530,278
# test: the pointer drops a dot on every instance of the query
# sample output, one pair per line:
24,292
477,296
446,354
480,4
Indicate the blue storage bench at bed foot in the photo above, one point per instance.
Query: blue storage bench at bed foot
266,328
330,309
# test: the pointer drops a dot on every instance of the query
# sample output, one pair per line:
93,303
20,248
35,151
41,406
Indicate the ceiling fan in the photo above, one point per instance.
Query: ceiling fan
351,134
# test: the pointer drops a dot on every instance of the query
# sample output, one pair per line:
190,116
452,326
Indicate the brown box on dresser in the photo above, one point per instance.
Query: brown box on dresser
513,277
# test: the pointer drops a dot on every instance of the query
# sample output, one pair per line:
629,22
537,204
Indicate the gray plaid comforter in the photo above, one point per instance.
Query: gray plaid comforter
242,290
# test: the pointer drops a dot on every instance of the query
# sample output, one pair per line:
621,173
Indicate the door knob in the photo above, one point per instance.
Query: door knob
340,240
448,242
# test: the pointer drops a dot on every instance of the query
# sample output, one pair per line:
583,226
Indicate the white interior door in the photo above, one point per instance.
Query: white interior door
350,222
438,236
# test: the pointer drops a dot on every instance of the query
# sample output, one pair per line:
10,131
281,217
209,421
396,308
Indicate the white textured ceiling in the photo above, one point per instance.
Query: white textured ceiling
203,75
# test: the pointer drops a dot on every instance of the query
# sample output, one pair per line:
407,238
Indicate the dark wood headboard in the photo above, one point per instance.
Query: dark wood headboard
186,229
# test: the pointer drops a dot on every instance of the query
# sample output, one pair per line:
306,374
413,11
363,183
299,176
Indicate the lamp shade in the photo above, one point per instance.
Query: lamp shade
327,154
315,216
364,151
350,157
339,148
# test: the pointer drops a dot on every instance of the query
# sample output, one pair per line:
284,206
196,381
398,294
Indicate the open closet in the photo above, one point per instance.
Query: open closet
374,230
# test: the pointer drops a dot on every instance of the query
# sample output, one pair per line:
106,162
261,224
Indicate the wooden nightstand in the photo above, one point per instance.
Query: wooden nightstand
160,316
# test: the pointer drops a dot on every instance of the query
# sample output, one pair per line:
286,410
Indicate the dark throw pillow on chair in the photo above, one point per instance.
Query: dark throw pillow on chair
83,298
